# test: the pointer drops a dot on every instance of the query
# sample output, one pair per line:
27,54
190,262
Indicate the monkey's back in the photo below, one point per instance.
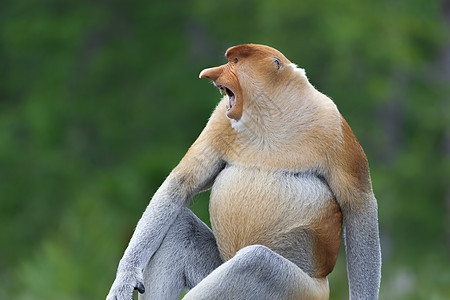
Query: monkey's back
294,214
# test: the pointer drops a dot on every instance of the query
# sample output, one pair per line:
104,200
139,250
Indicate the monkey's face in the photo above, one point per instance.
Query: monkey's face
226,79
250,71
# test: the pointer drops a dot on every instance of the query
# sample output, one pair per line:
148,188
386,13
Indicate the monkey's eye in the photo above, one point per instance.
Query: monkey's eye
236,60
277,62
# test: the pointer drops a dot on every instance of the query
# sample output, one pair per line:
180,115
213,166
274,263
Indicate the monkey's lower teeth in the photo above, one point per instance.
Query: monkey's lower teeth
232,101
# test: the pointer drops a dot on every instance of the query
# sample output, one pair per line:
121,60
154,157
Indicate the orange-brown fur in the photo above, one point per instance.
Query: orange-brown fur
285,173
301,132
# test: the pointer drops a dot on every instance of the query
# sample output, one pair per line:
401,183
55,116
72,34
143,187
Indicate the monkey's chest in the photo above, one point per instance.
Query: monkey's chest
277,209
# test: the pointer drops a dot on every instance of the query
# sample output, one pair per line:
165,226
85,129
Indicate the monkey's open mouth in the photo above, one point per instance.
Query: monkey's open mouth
231,96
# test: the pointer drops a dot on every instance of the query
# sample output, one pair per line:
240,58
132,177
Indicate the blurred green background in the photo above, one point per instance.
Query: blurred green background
99,100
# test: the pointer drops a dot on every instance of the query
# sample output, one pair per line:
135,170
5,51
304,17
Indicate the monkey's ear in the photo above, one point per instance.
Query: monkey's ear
277,62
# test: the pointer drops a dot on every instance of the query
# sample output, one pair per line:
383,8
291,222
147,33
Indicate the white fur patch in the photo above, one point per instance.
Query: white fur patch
298,70
238,125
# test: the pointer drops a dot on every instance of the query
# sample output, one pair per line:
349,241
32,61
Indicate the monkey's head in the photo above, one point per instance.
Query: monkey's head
252,70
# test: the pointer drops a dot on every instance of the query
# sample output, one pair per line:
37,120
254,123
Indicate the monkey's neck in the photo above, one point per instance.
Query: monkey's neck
300,125
273,119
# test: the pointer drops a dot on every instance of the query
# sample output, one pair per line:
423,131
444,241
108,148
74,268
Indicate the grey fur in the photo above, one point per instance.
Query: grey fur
188,258
255,272
187,254
362,247
184,255
164,208
178,251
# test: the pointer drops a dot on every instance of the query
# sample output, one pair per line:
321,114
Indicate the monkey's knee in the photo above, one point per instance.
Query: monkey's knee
253,255
189,251
259,262
282,278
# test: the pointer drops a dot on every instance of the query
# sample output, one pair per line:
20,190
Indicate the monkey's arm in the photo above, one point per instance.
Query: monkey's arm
351,184
196,170
362,247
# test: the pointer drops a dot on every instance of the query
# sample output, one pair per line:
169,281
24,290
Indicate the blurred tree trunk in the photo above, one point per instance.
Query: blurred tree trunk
445,77
392,117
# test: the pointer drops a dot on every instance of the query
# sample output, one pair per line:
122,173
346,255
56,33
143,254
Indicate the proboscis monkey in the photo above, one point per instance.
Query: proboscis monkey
285,172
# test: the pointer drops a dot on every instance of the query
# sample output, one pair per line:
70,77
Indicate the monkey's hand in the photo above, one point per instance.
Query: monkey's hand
124,284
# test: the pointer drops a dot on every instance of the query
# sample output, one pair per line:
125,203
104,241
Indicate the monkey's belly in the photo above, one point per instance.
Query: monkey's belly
295,215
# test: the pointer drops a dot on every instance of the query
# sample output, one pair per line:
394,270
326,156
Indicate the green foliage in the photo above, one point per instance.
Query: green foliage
100,100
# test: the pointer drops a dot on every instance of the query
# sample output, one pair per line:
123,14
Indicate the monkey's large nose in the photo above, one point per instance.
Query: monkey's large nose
211,73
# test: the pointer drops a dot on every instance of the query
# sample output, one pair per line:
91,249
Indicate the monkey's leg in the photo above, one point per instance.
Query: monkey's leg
187,254
256,272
